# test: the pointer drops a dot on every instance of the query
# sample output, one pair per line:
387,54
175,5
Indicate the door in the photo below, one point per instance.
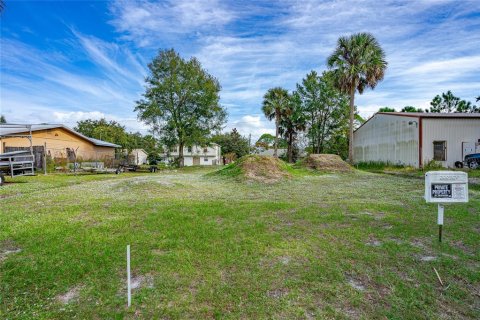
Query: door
468,148
196,160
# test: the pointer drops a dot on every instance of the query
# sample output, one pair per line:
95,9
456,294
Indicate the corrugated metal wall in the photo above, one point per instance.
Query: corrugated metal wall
387,138
454,132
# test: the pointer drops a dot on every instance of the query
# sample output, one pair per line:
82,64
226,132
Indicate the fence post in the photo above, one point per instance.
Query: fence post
45,158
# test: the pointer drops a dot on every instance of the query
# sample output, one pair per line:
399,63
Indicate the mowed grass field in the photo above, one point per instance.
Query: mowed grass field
316,246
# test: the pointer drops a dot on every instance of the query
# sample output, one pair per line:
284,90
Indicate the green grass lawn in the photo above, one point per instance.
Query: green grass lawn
360,245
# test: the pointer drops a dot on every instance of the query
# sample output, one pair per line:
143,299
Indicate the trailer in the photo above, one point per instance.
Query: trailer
16,163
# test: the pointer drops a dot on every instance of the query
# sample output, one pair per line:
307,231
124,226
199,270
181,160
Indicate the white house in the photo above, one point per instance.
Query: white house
269,152
139,156
196,155
415,139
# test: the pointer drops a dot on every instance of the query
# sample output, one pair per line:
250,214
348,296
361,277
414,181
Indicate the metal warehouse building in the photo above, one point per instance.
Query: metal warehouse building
416,138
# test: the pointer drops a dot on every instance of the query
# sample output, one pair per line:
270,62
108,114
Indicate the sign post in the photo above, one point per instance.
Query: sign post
440,221
129,287
445,187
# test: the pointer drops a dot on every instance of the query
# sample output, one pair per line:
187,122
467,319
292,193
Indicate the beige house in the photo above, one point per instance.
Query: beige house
59,141
415,139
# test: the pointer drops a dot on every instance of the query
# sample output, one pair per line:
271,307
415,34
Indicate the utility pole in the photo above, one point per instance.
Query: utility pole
249,143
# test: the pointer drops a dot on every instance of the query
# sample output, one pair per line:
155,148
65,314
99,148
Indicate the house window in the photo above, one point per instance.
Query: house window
440,150
205,159
189,149
205,150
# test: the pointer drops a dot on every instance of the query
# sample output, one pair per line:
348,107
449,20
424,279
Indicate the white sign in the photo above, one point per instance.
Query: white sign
446,186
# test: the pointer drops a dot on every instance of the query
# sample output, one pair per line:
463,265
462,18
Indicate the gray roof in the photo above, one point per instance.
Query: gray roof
432,115
9,129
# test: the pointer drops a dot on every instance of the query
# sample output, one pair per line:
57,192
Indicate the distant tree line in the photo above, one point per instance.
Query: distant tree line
114,132
444,103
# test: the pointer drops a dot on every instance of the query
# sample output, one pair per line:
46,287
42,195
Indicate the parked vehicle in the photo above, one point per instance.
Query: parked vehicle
472,160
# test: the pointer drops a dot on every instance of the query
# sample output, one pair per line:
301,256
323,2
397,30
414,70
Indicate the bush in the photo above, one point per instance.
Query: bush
432,165
378,165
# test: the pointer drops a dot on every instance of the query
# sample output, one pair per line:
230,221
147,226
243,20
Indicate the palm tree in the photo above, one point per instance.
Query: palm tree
275,102
358,62
293,120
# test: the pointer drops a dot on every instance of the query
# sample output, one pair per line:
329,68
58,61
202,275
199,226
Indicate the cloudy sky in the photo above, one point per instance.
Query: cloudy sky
65,61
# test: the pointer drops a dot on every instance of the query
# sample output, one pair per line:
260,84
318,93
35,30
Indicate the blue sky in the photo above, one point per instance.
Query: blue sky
66,61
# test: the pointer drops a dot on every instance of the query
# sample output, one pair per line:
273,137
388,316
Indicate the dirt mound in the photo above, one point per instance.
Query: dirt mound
326,162
258,168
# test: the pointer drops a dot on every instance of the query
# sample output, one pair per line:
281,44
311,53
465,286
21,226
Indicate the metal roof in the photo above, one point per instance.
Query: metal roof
432,115
9,129
422,115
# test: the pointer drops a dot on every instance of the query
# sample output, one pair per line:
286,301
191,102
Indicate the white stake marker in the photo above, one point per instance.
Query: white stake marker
129,287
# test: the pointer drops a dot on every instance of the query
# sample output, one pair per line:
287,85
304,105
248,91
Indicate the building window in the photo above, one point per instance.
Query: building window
189,149
205,159
172,149
205,150
440,150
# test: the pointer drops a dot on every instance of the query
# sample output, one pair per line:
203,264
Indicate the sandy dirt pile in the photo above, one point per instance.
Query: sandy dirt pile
258,168
326,162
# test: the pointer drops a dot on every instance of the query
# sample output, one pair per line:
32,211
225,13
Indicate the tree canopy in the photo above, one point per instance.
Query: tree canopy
114,132
358,62
386,109
267,141
181,101
232,143
325,110
448,103
411,109
102,129
3,119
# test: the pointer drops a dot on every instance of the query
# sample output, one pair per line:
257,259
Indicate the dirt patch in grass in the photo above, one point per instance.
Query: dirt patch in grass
140,281
8,248
277,293
356,284
69,296
326,162
257,168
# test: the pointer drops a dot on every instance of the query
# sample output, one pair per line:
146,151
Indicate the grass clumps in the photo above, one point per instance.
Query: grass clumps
257,168
326,162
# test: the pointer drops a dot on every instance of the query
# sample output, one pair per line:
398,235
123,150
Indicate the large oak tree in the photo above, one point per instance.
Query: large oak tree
181,101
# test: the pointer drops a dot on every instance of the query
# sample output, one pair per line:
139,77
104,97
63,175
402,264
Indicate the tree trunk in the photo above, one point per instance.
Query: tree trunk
180,154
352,116
275,146
290,147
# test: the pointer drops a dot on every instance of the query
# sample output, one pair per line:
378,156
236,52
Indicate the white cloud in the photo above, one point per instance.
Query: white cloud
144,22
251,124
39,87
